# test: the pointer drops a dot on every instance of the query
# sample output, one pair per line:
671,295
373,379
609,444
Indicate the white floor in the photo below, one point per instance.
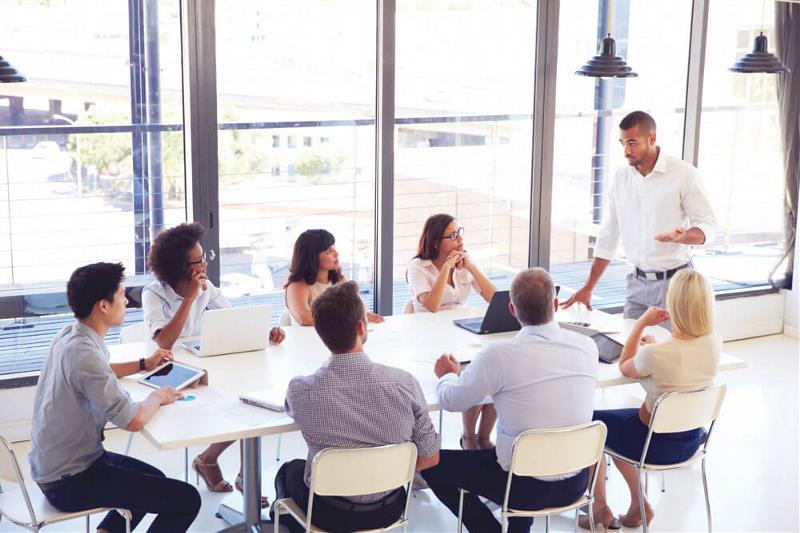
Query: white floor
753,466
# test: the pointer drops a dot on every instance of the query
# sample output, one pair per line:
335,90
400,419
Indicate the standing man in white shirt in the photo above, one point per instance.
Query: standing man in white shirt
657,208
544,377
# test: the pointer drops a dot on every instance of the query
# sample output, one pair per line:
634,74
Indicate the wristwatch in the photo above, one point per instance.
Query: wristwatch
141,364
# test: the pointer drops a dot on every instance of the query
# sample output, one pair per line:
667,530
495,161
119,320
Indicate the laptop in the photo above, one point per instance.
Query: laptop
232,330
498,318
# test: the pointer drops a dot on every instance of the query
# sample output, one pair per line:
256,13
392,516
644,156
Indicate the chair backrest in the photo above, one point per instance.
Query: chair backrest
9,469
285,319
409,307
358,471
552,452
685,410
135,332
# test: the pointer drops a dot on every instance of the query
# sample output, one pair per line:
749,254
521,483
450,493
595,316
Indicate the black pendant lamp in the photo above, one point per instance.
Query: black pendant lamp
9,74
608,64
759,60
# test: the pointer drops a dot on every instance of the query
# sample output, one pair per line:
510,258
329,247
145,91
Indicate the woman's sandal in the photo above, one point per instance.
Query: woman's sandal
628,521
239,483
463,438
607,521
485,443
206,470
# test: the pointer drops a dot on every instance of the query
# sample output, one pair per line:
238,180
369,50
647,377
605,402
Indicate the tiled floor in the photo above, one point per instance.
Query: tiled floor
753,466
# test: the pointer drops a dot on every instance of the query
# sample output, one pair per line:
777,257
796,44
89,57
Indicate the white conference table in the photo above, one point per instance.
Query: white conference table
412,342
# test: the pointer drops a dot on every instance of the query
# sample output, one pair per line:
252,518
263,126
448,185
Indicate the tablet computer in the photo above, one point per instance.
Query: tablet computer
172,374
608,349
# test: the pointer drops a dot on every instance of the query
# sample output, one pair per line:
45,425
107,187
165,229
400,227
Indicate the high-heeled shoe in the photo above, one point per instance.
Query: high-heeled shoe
629,521
239,483
201,470
603,519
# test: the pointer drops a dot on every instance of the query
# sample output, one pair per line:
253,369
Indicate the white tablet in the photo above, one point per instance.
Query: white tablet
172,374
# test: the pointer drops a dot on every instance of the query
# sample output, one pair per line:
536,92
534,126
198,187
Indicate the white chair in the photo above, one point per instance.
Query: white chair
552,452
135,332
29,508
353,472
675,412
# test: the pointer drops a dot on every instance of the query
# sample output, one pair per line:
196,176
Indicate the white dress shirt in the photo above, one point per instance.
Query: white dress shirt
160,303
637,208
544,377
422,274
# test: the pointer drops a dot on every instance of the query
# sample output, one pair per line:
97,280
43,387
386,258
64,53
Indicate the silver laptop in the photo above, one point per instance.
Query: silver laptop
232,330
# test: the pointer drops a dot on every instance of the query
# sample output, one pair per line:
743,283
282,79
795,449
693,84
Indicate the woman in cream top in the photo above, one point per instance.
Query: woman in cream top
440,277
441,274
314,269
687,361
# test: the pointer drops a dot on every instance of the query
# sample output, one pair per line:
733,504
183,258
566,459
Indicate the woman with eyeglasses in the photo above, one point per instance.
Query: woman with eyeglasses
441,277
314,269
173,307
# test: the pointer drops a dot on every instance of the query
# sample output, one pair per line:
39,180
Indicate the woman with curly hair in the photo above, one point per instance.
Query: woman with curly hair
173,307
314,269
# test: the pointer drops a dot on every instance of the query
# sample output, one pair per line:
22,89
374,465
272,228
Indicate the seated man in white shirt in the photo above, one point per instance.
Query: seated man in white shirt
544,377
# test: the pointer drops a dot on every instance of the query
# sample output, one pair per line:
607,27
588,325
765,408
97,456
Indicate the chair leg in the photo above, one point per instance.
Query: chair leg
663,482
278,450
277,527
88,525
705,491
186,465
575,529
591,517
460,508
128,446
646,484
128,522
547,524
642,489
441,419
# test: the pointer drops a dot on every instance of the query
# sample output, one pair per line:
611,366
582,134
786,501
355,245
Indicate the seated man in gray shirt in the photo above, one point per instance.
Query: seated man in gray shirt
77,394
351,402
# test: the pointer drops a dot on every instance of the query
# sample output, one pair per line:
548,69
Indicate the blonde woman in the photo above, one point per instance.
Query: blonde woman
686,361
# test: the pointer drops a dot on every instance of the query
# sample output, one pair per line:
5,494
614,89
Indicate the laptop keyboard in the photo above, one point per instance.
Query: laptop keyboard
473,324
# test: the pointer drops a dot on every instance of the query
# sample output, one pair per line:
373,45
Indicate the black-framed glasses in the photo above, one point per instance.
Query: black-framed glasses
201,261
455,235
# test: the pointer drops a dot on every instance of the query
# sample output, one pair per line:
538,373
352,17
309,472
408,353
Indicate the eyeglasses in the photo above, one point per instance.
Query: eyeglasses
201,261
455,235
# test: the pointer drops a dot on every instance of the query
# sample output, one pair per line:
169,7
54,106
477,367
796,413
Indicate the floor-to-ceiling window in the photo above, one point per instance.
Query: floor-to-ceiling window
740,149
463,102
654,39
91,150
296,113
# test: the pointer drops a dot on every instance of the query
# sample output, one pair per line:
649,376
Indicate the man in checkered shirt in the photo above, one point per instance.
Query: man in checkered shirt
351,402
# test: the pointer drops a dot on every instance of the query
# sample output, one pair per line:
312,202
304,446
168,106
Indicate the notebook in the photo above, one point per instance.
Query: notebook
272,398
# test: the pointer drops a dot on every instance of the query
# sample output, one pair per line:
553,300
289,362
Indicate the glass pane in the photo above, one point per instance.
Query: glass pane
588,112
740,149
296,140
91,152
463,133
